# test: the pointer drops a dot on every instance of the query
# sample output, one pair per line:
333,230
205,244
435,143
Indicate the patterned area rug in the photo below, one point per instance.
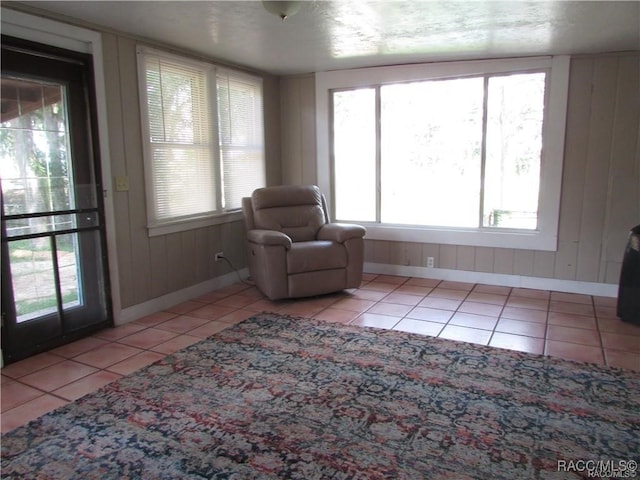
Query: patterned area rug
284,397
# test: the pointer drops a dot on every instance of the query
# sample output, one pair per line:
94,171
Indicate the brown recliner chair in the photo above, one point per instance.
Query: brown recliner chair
294,251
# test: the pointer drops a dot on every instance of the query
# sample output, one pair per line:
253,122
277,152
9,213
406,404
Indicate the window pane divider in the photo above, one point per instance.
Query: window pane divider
215,140
483,150
378,124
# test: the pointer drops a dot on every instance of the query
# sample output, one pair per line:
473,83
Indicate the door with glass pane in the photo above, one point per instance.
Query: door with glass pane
54,278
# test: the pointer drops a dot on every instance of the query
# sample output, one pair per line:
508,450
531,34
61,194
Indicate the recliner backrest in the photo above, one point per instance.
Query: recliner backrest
295,210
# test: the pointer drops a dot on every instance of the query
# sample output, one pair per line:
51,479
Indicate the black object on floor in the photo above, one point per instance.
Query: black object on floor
629,289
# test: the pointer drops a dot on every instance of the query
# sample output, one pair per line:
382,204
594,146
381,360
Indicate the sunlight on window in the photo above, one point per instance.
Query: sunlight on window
241,137
431,152
514,142
179,133
354,148
428,170
37,177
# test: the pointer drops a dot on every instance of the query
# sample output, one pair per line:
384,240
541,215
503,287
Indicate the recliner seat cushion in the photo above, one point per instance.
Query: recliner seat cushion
315,255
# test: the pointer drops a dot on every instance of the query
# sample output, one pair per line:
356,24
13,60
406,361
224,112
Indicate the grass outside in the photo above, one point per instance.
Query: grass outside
33,277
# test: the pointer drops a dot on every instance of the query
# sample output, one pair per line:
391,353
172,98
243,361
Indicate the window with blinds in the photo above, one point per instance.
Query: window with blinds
241,136
204,138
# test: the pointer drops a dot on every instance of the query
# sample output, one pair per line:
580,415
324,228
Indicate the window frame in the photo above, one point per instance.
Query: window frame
545,237
220,214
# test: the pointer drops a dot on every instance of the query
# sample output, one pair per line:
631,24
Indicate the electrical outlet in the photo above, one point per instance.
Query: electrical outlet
219,256
430,262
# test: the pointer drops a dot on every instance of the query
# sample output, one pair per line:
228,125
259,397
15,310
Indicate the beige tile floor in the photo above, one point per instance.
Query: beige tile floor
571,326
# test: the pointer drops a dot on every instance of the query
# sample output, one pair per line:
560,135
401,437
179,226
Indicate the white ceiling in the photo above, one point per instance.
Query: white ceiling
329,35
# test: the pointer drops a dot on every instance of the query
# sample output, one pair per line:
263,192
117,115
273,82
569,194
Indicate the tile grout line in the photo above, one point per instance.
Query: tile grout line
493,331
595,315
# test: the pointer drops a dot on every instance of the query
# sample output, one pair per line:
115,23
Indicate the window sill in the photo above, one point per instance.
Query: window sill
194,223
520,239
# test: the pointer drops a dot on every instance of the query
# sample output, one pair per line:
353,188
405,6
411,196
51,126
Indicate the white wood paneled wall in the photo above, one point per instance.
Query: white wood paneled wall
298,130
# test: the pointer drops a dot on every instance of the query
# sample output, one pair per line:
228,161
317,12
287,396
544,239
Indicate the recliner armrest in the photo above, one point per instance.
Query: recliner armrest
340,232
269,237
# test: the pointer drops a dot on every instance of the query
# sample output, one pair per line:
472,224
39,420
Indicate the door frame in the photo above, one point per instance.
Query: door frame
50,32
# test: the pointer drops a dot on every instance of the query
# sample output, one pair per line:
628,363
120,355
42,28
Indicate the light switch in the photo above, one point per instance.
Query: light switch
122,183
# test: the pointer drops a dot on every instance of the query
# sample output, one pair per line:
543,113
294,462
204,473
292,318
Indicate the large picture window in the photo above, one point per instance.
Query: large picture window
204,139
466,153
441,143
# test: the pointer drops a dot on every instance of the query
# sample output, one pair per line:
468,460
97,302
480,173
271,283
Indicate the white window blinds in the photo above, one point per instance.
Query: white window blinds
198,165
241,135
179,148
